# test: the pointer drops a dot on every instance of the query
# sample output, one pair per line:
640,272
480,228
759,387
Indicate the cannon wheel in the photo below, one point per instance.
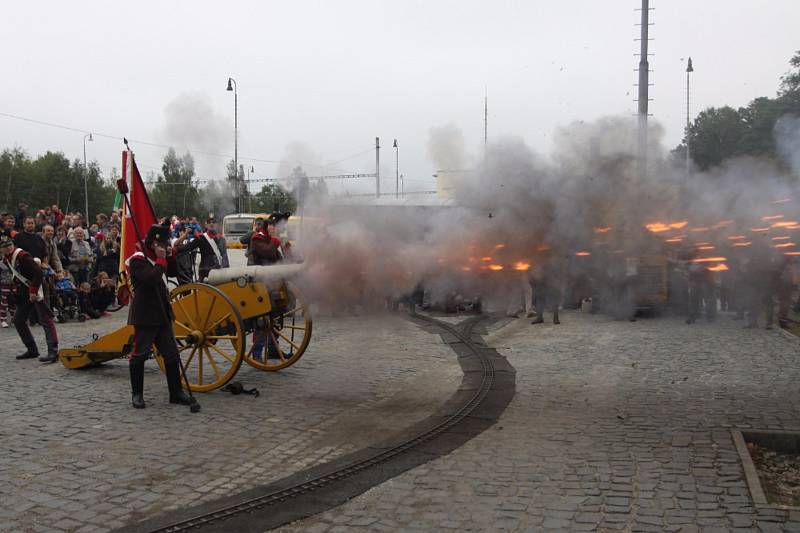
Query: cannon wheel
290,332
210,336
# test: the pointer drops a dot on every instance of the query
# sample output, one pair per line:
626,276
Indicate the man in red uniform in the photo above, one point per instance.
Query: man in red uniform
151,316
30,298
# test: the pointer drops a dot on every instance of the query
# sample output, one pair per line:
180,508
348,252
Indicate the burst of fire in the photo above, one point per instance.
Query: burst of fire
674,239
583,254
722,267
740,244
659,227
602,230
495,267
486,259
706,248
542,248
521,265
466,269
759,230
772,217
710,260
791,253
785,245
737,237
785,224
499,246
722,224
781,238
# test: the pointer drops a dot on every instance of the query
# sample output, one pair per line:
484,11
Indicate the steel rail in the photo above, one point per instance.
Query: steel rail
464,334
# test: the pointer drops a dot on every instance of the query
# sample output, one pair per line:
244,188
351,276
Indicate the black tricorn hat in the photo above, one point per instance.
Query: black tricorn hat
277,217
157,233
5,240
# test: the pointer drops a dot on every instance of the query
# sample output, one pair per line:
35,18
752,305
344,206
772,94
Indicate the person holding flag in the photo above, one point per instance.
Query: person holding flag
150,311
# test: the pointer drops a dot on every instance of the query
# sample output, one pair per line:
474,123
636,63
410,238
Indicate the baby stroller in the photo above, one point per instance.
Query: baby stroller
64,303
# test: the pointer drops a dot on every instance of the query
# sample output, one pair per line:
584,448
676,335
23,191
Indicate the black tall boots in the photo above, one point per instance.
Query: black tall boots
137,383
176,393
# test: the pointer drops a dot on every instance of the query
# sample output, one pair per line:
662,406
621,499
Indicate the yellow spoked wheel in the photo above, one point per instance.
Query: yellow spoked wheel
209,333
284,333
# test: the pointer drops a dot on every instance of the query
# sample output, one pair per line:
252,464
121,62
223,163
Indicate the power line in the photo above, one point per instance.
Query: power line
158,145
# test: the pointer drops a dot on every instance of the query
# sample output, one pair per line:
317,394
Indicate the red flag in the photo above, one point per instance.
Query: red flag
140,209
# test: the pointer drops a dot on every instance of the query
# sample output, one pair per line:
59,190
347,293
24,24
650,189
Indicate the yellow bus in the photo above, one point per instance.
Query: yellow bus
239,224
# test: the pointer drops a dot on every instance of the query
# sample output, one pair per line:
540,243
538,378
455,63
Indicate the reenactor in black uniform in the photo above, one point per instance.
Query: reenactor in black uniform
30,298
213,249
151,316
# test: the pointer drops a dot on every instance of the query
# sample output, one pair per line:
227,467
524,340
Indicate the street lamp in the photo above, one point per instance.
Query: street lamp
396,169
689,69
233,87
86,137
250,169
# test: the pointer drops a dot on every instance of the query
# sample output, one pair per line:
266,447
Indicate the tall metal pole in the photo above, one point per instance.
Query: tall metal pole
235,90
689,68
86,180
377,167
249,193
644,84
396,170
485,119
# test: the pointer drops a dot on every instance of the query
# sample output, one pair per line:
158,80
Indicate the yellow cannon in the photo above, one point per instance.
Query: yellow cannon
212,322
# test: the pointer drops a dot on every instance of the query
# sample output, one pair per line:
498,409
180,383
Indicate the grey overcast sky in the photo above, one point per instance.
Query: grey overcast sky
336,74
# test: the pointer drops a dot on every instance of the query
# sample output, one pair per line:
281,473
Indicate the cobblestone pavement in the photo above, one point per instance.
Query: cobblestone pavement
615,426
74,455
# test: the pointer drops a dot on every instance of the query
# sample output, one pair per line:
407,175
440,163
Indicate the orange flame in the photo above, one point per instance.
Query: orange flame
466,269
705,247
499,246
787,224
583,254
758,230
602,230
773,217
699,230
791,253
486,259
709,260
542,248
737,237
495,267
675,239
746,243
785,245
722,267
658,227
722,224
521,265
782,238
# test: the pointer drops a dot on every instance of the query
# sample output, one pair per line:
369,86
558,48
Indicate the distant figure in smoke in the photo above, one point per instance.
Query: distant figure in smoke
521,288
547,277
763,275
702,291
622,275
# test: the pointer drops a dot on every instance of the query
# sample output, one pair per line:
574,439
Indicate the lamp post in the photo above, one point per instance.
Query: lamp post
396,170
250,169
233,87
689,69
86,137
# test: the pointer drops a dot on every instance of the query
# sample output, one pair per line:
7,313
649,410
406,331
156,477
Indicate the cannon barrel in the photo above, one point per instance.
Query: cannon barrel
268,275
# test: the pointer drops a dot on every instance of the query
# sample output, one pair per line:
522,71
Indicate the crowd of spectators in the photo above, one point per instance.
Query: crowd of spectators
80,261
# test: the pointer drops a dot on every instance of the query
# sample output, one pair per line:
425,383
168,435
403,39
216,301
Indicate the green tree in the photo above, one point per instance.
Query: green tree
716,134
273,197
174,193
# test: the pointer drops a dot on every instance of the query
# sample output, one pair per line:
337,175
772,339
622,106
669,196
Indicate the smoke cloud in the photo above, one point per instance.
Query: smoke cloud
579,212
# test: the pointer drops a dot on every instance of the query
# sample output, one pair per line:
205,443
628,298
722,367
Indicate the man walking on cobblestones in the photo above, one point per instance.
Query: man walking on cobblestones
28,278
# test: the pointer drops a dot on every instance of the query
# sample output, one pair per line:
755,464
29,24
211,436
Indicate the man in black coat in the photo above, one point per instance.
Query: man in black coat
30,241
30,298
151,316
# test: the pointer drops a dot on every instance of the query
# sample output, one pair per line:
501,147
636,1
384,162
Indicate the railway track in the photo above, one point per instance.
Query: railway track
257,511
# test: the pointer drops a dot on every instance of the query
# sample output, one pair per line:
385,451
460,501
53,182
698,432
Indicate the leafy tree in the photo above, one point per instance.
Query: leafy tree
174,192
790,82
717,134
273,197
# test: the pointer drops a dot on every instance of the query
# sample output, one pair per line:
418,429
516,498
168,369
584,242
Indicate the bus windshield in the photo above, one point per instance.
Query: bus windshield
237,226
